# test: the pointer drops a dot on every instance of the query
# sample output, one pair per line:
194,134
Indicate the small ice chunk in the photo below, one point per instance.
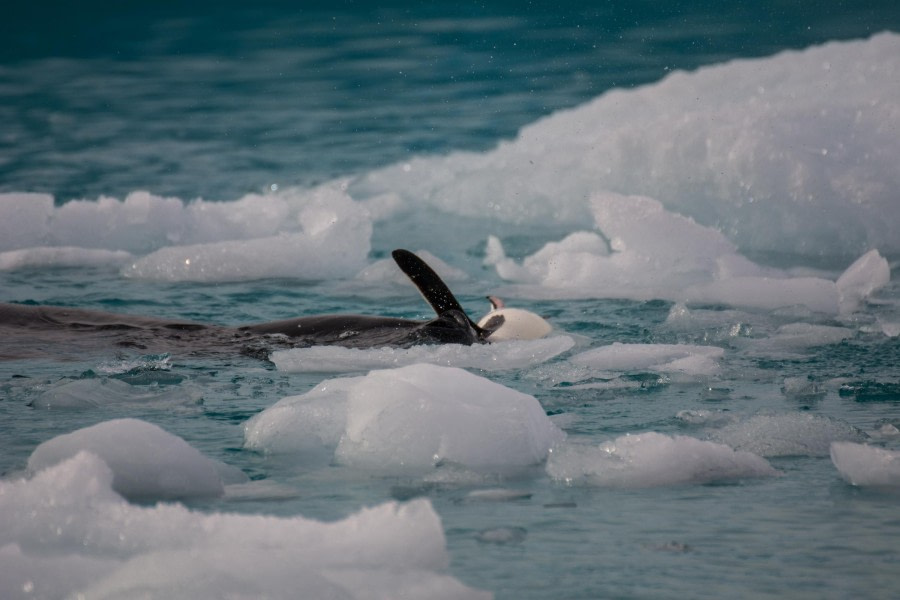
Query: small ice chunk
869,273
801,387
653,459
409,419
866,466
666,358
797,337
503,536
147,462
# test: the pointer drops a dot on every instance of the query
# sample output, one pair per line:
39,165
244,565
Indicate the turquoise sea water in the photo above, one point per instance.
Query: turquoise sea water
221,103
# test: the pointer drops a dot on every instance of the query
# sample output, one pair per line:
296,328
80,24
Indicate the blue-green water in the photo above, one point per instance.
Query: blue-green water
221,102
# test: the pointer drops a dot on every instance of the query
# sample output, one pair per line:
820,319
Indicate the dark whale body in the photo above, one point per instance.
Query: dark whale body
31,331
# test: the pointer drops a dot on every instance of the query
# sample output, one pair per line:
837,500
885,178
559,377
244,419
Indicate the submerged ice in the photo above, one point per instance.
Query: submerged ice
653,459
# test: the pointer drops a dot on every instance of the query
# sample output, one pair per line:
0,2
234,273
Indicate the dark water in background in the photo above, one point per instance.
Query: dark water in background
215,100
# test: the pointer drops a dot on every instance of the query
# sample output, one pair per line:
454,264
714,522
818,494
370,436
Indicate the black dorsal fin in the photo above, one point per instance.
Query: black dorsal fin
432,287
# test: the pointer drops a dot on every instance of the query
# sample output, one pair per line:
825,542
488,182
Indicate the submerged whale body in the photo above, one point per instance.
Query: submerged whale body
34,331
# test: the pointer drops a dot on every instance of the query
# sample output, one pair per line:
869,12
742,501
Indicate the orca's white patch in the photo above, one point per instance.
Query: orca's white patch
506,323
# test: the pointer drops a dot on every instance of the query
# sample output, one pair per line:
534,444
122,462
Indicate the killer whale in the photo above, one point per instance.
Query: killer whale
29,331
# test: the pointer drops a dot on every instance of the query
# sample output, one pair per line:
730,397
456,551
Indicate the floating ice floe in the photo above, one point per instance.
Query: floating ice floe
790,434
325,235
666,358
410,419
646,252
653,459
146,462
513,354
866,466
308,234
66,533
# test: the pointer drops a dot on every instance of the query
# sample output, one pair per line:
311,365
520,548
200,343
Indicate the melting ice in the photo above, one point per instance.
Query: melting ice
410,419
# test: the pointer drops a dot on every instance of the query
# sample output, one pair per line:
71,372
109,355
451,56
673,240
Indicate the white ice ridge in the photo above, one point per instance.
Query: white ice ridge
307,234
408,420
642,251
66,534
146,462
653,459
513,354
793,154
866,466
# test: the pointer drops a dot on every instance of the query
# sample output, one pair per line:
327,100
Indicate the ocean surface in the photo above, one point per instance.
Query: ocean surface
702,200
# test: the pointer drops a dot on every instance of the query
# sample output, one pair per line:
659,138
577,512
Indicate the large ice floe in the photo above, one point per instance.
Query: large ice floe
147,463
866,466
65,533
793,154
666,358
653,459
642,251
409,420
